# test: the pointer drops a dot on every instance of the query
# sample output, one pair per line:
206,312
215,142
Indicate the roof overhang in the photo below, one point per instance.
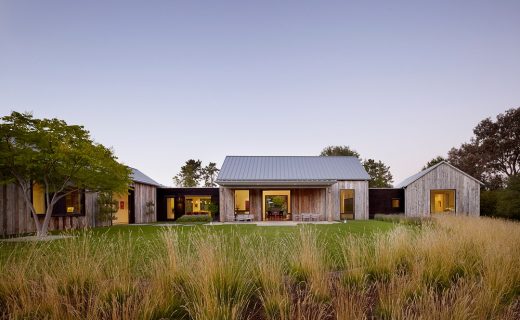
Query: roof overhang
276,183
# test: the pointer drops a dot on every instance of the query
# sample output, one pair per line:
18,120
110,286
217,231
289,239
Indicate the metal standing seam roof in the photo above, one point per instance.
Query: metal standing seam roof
406,182
138,176
290,168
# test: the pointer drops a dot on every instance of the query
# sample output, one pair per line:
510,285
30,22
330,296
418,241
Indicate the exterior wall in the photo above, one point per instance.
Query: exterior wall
16,218
144,193
360,198
380,201
324,201
467,192
226,209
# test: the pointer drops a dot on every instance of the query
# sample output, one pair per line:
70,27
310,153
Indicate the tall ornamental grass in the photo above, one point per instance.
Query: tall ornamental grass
449,268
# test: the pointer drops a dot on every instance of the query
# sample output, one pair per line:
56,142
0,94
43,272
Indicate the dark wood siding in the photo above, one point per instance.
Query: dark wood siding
380,201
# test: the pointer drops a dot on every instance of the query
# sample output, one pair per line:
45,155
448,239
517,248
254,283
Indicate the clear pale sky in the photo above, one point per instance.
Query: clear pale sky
165,81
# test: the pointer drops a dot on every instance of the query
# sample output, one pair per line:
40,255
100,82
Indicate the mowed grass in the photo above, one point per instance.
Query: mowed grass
449,268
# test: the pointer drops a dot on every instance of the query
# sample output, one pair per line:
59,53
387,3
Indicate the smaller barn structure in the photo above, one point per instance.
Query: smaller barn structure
441,188
78,209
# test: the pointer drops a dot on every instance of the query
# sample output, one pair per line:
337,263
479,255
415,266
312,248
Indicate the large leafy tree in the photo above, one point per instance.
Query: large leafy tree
189,175
60,157
499,143
379,173
209,174
433,162
493,154
339,151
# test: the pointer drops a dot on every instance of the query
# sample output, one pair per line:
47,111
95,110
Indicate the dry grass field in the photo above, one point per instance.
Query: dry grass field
446,268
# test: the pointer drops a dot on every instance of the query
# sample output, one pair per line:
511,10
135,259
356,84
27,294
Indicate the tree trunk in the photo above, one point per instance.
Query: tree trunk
45,225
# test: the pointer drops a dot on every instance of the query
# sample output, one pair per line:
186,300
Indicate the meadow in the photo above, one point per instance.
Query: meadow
444,268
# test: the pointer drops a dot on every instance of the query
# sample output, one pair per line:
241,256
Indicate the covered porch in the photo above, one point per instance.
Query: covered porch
275,203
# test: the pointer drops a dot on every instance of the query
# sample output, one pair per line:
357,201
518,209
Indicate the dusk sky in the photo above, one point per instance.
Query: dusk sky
165,81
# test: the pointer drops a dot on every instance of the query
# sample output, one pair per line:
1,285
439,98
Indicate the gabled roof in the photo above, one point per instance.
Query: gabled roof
406,182
290,169
138,176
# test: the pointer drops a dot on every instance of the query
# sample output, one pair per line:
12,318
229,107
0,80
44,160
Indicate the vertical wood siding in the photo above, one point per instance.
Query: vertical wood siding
467,192
16,218
144,193
360,198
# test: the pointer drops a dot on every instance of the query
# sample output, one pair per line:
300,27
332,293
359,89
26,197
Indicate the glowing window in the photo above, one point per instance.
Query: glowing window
396,203
242,201
442,201
38,198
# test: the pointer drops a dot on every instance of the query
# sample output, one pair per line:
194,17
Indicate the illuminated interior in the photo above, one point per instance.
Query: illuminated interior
122,208
170,208
276,204
395,203
346,204
197,204
38,198
241,201
73,202
442,201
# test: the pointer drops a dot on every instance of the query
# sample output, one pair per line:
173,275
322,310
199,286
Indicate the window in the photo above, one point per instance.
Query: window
277,204
442,201
347,208
396,203
196,204
170,208
38,198
241,201
71,204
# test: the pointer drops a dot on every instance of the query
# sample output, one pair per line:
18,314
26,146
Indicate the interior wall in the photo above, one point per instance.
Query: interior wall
122,213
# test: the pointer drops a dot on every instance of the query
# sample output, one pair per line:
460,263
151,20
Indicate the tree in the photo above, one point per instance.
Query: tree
379,173
499,143
108,206
468,159
61,158
189,175
493,154
339,151
433,162
209,174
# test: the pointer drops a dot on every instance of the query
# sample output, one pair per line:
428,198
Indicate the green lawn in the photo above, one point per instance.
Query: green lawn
140,234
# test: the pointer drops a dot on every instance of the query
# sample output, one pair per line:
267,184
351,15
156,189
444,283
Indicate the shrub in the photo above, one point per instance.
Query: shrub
194,218
489,202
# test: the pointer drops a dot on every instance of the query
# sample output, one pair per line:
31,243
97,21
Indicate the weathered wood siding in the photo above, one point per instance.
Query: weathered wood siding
360,198
309,201
16,218
144,193
467,192
226,203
